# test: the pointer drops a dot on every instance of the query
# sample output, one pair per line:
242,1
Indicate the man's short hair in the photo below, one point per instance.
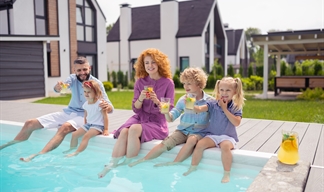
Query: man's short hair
81,60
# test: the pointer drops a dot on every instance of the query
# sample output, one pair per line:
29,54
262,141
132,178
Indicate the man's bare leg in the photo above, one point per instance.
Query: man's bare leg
25,132
54,142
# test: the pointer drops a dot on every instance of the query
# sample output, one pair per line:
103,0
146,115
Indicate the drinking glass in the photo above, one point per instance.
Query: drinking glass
64,87
148,89
190,100
288,151
165,105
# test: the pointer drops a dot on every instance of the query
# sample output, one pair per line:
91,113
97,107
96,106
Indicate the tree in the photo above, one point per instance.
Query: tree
248,34
109,27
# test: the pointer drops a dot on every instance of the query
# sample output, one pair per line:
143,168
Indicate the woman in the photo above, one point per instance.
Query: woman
152,68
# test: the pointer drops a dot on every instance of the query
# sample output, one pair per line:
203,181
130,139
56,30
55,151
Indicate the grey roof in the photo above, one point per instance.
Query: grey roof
193,16
233,40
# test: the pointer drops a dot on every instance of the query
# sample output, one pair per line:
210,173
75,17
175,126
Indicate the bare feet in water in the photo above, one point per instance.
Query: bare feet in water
166,164
192,168
27,159
226,177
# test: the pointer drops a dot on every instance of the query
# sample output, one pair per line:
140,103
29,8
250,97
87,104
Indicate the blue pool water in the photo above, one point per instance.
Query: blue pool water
54,172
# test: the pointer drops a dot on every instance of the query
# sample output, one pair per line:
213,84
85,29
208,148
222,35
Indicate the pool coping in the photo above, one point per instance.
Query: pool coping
274,175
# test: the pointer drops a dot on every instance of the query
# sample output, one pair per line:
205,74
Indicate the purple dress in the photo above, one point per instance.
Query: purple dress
154,124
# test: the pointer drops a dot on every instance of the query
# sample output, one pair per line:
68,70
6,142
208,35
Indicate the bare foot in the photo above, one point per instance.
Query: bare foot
27,159
166,164
136,162
192,168
226,177
107,168
69,150
72,154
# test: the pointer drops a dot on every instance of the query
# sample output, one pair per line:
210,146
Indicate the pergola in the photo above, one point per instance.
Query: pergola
307,43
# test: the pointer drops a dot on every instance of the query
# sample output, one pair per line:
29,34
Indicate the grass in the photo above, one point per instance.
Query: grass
296,110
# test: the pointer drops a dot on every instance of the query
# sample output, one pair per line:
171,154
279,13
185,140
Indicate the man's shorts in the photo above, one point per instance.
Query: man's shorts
99,128
220,138
177,138
57,119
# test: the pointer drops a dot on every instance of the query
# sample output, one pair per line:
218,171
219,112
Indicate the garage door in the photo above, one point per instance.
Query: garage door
21,70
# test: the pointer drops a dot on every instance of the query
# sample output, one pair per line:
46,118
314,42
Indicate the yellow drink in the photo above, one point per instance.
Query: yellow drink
64,87
190,102
288,151
165,107
149,89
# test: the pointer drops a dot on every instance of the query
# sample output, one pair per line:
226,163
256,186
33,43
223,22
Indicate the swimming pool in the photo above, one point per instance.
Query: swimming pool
53,172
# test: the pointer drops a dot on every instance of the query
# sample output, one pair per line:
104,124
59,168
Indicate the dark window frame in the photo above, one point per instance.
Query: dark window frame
84,25
42,17
7,7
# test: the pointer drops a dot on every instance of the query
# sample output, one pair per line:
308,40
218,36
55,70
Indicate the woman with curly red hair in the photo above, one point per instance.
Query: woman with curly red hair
152,68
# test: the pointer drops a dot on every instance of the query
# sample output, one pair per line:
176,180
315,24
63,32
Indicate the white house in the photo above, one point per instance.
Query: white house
191,33
39,40
238,53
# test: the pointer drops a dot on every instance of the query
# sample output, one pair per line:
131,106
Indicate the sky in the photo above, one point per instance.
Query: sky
241,14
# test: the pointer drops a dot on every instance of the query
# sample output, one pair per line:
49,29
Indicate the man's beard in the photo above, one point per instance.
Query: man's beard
87,78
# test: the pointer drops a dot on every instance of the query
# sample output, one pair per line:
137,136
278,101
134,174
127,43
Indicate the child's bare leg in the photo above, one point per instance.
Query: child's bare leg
154,153
84,143
184,152
227,159
112,164
203,144
74,139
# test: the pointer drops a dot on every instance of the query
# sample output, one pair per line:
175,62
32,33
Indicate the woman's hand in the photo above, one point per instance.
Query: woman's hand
154,98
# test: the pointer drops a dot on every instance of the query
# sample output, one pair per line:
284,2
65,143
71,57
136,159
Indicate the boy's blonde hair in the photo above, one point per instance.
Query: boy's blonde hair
238,98
194,74
93,85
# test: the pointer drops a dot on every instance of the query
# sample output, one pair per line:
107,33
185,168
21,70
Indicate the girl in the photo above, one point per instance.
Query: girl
225,116
152,68
95,119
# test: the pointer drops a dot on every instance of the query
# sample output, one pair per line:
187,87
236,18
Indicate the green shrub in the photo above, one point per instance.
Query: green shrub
230,71
289,71
312,94
241,71
318,68
258,82
250,70
107,85
125,83
259,70
114,78
176,81
120,79
283,67
248,85
211,81
130,85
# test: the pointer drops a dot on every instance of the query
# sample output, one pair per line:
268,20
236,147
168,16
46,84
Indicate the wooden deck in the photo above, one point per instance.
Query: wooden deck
254,134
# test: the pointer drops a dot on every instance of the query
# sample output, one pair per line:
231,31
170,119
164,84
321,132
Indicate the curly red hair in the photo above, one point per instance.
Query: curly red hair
161,60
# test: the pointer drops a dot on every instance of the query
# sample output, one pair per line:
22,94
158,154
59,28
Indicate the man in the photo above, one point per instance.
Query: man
71,118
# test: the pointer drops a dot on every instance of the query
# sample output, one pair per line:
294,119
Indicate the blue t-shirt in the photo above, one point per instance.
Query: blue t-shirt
77,99
191,122
219,123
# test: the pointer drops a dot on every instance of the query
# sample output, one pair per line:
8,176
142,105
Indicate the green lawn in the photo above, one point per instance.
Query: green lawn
297,110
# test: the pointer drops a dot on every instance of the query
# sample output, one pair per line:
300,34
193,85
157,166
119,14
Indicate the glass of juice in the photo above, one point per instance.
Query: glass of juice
190,100
288,151
148,89
64,87
165,105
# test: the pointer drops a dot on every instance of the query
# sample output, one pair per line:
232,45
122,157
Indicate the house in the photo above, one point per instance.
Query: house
40,39
238,53
191,33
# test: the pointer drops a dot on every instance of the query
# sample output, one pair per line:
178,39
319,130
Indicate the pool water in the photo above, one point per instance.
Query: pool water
54,172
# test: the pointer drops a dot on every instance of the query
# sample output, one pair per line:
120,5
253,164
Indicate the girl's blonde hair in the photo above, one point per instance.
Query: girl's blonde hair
160,59
238,98
93,85
194,74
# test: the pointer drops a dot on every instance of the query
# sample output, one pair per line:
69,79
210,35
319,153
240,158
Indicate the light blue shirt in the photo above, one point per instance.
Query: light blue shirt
191,122
77,98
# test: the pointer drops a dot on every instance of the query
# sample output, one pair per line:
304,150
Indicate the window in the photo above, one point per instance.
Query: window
40,17
92,62
4,21
85,18
184,63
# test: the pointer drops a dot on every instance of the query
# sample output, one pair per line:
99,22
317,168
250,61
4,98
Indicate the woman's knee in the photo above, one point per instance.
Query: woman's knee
135,130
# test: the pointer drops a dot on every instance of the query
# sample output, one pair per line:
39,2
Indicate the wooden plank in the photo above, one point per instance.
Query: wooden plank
319,157
251,133
273,143
309,143
246,126
290,82
316,82
315,180
257,142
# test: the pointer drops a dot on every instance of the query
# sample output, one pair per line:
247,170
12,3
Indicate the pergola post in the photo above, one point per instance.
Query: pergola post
265,71
278,65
